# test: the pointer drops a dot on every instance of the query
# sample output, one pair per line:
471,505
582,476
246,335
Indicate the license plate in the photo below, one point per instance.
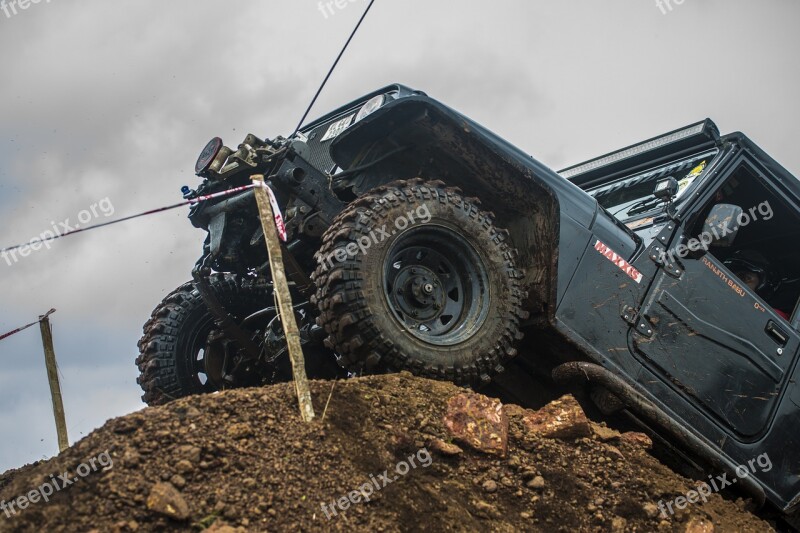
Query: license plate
337,128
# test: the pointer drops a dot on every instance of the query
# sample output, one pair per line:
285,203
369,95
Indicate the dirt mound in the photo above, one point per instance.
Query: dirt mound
384,459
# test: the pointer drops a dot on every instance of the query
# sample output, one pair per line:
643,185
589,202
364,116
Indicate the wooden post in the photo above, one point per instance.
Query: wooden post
285,307
52,377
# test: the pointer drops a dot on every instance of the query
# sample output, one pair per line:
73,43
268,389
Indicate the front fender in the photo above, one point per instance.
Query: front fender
536,205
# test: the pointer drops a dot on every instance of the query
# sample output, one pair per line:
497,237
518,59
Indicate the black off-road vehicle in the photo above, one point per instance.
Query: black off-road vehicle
665,274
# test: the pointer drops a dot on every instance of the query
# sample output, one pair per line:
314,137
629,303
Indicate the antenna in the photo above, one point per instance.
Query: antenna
330,72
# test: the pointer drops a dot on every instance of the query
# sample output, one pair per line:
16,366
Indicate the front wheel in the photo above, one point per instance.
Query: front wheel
413,276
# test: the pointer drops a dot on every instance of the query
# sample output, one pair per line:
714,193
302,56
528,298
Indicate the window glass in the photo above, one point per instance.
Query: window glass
632,196
764,255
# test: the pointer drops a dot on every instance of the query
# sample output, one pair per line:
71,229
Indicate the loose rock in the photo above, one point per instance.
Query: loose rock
478,422
560,419
536,483
447,449
166,500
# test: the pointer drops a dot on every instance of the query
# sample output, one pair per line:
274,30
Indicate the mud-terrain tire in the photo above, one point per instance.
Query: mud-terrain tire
171,349
431,252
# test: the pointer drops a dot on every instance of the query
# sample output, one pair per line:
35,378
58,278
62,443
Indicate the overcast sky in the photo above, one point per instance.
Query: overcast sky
115,99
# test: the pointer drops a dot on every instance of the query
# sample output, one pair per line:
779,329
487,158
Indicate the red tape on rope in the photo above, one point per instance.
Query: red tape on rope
23,328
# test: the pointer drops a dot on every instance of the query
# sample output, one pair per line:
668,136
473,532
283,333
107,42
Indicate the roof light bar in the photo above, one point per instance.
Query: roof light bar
637,149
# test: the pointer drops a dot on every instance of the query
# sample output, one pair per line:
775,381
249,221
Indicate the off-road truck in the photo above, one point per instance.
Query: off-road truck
418,240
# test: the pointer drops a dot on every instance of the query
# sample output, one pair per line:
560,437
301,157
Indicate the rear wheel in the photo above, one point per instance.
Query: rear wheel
183,352
413,276
180,352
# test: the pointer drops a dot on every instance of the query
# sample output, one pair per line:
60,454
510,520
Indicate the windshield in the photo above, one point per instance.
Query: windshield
631,196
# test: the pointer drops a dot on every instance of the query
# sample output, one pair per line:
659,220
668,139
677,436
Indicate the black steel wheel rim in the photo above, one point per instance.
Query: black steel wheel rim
197,354
436,285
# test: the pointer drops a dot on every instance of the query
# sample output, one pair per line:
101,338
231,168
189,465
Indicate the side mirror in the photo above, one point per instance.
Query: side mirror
721,226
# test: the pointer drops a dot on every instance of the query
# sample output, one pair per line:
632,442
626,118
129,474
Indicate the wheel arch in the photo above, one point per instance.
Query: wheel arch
418,137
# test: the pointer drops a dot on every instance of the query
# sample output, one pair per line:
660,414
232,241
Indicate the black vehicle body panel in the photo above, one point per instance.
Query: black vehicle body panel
709,365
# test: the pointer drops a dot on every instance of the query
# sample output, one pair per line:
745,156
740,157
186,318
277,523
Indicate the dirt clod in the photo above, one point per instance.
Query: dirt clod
490,486
537,483
445,448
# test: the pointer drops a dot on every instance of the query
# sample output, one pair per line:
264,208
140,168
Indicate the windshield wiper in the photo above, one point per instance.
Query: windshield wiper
640,207
644,205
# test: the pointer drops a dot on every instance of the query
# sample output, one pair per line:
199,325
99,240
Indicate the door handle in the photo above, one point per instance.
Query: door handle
777,333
